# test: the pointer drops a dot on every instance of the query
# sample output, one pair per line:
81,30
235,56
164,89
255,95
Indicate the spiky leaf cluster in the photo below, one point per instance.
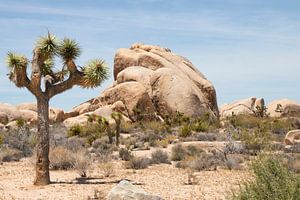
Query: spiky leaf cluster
48,45
95,72
69,50
16,61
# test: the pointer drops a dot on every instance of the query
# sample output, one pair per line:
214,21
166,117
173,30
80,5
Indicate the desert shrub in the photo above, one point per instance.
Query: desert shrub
200,126
76,130
76,143
21,139
178,153
156,126
128,127
192,150
150,137
82,162
91,132
255,140
233,163
103,149
61,158
163,143
272,180
138,163
125,154
159,156
234,147
185,130
107,169
8,154
1,138
280,126
204,161
244,121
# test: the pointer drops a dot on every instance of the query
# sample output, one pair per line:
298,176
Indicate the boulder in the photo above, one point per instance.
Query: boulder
154,58
11,111
29,116
56,115
3,118
136,73
70,114
78,120
241,107
126,191
133,95
284,108
292,137
27,106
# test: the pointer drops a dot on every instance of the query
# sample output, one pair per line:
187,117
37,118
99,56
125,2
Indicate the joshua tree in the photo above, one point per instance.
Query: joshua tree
42,70
118,118
102,121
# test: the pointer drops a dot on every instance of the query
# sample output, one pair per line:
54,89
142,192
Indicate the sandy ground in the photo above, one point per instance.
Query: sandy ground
164,180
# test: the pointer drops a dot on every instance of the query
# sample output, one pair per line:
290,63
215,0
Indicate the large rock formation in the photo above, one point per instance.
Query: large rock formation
151,81
126,191
241,107
284,108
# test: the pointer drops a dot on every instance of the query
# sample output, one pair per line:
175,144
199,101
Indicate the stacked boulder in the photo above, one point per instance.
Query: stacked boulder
152,82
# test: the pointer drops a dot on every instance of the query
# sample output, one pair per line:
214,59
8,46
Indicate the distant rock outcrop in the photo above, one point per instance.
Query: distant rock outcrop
284,108
26,112
241,107
151,82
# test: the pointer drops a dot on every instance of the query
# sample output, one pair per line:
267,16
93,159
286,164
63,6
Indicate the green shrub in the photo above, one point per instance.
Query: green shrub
272,181
159,156
256,139
91,131
185,130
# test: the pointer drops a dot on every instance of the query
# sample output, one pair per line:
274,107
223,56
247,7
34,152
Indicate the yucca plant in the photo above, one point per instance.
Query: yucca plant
46,50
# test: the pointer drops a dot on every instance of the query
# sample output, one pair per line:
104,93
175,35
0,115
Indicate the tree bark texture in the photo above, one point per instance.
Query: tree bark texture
42,149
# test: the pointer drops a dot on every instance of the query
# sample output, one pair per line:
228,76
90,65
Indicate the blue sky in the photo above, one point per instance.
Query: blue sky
244,47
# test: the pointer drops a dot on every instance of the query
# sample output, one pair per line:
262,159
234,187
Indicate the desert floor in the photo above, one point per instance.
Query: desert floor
164,180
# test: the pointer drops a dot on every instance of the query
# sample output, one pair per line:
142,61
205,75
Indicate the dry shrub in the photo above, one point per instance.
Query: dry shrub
82,162
159,156
178,153
107,168
61,158
125,154
137,163
204,161
9,154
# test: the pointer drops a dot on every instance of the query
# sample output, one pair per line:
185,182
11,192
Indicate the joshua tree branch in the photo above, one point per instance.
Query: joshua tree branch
74,79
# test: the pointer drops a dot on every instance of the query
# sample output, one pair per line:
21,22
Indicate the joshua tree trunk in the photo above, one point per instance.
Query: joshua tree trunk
42,150
118,127
109,134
